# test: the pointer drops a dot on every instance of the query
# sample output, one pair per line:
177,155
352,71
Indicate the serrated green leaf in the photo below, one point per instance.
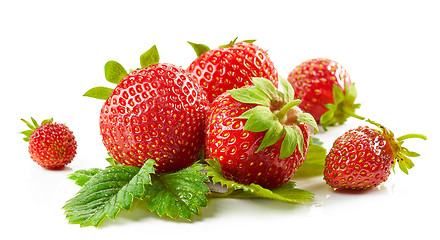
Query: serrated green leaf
199,48
285,193
250,95
289,143
99,93
178,194
314,163
316,141
107,192
114,72
150,57
81,177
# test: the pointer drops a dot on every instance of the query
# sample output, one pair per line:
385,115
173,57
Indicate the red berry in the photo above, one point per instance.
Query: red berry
238,148
319,82
158,113
51,145
222,69
362,158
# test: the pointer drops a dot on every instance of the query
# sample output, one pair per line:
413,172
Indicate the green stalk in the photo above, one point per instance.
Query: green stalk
411,135
283,112
351,114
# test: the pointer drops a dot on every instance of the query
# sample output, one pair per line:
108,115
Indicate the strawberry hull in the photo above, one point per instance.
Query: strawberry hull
155,113
236,148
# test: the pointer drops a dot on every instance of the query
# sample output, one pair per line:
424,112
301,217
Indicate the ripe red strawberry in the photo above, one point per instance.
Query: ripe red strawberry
51,145
231,66
258,134
326,91
362,158
158,113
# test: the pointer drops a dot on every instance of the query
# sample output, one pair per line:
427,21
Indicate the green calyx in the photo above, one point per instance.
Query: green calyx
202,48
115,72
32,126
277,113
342,108
401,154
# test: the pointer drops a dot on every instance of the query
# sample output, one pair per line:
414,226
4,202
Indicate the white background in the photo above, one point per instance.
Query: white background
51,52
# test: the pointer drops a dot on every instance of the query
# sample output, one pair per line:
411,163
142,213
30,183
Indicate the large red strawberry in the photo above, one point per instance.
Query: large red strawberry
231,66
158,113
326,91
258,134
362,158
51,145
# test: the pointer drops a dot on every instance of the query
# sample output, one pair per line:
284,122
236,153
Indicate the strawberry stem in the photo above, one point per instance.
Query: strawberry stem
283,112
351,114
411,135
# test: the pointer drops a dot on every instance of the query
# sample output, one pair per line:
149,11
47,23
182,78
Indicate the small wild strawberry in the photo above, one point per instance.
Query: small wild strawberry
51,145
362,158
326,91
258,134
230,66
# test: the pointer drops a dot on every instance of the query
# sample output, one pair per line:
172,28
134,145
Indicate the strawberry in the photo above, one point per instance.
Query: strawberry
362,158
51,145
158,113
258,134
230,66
326,91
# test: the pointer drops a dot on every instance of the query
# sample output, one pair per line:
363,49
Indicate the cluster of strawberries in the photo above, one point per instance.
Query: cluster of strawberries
231,105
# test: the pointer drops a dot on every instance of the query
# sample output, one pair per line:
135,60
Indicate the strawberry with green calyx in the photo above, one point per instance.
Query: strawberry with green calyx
156,112
230,66
326,91
362,158
258,133
51,145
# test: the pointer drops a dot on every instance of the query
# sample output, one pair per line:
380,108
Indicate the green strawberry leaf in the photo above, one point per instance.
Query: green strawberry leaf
314,163
150,57
316,141
285,193
286,88
178,194
81,177
260,121
289,143
107,192
251,95
199,48
309,119
114,72
265,86
273,134
99,93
